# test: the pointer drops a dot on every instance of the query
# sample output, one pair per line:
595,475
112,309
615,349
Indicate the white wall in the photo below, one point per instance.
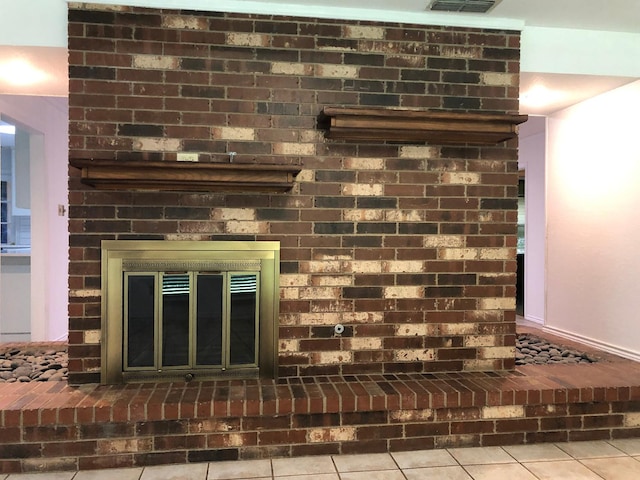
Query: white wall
582,52
532,160
593,205
49,250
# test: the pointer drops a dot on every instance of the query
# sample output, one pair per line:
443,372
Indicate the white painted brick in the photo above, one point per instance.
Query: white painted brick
85,293
332,280
461,178
450,51
487,353
480,341
92,336
355,163
414,355
458,328
311,136
234,226
153,144
305,176
478,365
337,71
187,236
503,411
445,303
331,434
404,291
321,267
332,358
458,254
500,79
234,439
496,254
363,214
364,343
418,152
233,214
498,303
294,280
357,31
487,216
155,62
318,318
98,6
365,190
333,306
234,133
248,39
289,345
411,416
363,266
403,266
183,22
288,68
361,317
632,419
436,241
290,293
317,293
416,329
404,216
294,148
289,319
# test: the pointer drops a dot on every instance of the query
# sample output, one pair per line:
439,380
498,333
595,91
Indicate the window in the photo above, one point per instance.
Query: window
15,213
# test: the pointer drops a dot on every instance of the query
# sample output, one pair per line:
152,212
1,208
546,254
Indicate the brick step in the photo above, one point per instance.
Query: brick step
54,426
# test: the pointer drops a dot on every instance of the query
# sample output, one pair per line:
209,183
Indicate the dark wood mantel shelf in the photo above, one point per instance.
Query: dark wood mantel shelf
185,176
419,126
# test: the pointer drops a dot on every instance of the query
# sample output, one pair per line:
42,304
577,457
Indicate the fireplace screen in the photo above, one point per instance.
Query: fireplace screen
188,314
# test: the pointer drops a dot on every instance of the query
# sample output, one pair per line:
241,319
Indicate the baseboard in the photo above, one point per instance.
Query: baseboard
606,347
63,338
534,319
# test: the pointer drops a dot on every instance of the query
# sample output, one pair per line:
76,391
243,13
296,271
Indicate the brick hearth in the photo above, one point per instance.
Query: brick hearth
54,426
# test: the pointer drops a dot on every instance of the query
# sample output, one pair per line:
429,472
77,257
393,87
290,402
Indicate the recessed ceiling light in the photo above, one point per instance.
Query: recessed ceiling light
20,72
540,96
469,6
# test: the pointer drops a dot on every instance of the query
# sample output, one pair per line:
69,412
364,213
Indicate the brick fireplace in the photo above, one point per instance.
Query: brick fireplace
409,245
406,241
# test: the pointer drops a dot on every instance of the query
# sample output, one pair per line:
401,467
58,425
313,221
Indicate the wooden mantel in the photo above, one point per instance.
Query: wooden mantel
419,126
185,176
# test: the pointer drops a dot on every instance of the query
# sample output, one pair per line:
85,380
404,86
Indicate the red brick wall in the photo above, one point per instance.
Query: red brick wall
411,247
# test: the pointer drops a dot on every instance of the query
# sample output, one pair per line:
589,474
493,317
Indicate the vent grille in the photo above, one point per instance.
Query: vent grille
470,6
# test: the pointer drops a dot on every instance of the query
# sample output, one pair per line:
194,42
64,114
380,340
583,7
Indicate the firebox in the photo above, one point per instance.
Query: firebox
184,310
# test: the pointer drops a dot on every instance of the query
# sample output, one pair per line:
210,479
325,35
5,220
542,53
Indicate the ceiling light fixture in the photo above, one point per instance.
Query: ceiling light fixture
469,6
540,96
20,72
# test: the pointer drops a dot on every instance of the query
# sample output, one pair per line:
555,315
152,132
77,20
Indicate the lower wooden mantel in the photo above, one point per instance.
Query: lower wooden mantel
185,176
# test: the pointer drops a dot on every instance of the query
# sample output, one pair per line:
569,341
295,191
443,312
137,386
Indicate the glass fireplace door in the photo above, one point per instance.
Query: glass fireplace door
195,323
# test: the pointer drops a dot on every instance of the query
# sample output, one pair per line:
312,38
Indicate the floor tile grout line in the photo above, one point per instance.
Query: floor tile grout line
581,461
525,467
594,472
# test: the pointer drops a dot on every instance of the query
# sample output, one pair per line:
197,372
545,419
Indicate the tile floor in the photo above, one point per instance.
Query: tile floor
597,460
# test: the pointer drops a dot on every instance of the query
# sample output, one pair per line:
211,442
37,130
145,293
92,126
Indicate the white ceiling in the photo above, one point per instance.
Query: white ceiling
609,15
600,15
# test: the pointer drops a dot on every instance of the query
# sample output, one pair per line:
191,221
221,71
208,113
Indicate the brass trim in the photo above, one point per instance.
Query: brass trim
120,256
186,266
